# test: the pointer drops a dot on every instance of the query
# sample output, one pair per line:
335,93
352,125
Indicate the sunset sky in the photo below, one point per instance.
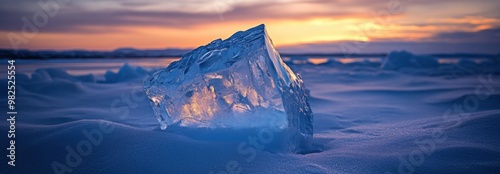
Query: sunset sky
294,25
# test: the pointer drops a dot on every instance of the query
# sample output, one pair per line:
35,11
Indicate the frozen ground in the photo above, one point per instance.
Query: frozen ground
370,117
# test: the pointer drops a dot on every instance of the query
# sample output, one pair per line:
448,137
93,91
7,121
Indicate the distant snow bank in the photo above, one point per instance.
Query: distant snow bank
125,73
405,62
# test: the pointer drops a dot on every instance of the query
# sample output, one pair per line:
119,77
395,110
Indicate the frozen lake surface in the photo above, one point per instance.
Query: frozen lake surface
442,118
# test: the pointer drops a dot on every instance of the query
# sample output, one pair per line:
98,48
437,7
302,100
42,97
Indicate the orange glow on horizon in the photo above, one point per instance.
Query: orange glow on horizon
283,33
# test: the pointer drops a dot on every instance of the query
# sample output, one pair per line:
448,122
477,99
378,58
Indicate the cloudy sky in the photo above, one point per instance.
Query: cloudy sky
294,25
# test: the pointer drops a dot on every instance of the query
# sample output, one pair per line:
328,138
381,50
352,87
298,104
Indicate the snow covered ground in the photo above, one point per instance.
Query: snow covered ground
394,115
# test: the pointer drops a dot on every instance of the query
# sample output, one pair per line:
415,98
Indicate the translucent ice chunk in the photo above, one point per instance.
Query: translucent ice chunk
240,82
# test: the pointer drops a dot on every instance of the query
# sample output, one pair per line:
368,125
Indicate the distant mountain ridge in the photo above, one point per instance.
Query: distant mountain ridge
118,53
177,53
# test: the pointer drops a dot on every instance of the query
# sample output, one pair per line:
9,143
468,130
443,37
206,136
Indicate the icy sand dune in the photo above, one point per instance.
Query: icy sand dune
367,120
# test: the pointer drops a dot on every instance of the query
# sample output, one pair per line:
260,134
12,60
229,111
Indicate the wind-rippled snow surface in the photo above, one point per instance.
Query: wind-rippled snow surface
418,115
